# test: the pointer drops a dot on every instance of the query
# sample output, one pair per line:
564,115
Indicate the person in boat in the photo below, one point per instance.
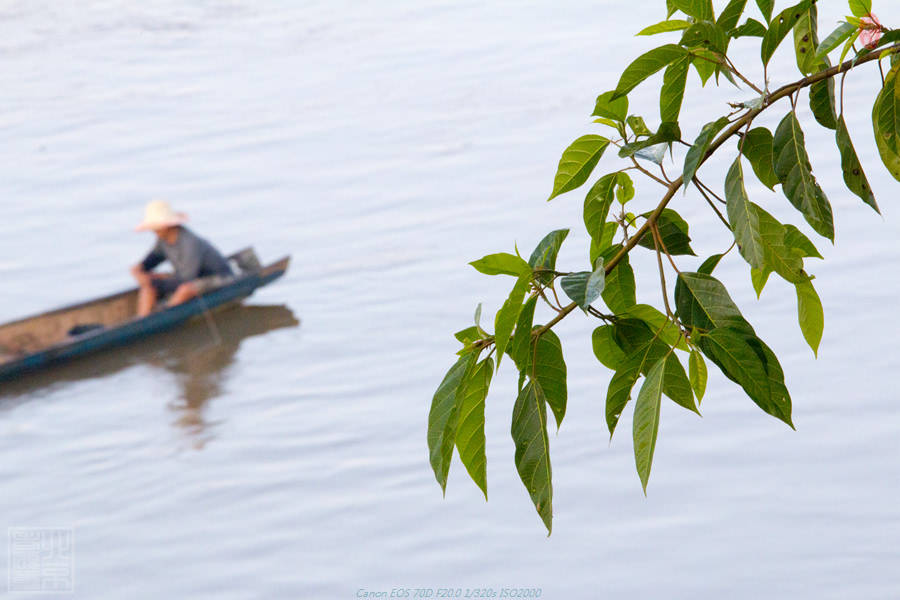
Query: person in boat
198,266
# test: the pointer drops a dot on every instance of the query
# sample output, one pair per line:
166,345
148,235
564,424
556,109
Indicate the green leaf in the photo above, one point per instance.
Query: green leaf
646,65
544,255
577,163
798,242
806,39
759,278
860,8
730,349
890,37
811,315
470,433
606,106
667,133
676,385
624,187
638,357
757,147
889,157
674,233
600,245
848,45
508,314
658,322
697,152
443,417
726,72
643,346
780,400
521,342
638,126
607,351
468,335
779,256
886,122
759,236
665,26
549,370
619,291
750,28
529,432
765,7
502,263
672,93
702,10
619,392
609,123
698,374
854,176
779,28
646,421
705,35
710,264
835,39
597,203
701,301
743,218
670,8
705,62
821,101
731,14
585,286
795,173
478,319
757,371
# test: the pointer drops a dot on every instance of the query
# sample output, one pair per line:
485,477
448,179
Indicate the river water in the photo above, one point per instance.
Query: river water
384,147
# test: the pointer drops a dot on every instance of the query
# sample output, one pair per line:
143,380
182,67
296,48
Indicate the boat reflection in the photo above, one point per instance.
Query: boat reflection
198,355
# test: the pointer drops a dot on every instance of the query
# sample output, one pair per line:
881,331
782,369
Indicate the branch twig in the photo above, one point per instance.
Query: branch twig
771,98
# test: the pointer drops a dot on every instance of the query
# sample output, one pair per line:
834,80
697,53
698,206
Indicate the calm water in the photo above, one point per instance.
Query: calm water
384,147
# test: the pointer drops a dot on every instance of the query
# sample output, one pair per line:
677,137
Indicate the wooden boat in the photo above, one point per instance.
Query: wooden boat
65,333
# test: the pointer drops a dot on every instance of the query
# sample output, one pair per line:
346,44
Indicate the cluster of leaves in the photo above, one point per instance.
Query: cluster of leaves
702,322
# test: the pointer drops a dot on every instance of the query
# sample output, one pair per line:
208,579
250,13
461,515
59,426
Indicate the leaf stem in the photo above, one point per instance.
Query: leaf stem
553,289
706,187
665,250
663,171
557,307
648,173
657,242
713,206
734,70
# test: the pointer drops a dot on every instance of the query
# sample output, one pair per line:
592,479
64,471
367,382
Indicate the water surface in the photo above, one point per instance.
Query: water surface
384,147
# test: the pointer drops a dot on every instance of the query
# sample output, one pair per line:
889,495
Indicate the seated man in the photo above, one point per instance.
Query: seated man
198,265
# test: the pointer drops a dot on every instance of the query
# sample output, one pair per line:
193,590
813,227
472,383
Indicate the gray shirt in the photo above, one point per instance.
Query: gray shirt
191,256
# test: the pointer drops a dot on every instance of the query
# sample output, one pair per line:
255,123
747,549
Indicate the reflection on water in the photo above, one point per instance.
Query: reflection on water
198,355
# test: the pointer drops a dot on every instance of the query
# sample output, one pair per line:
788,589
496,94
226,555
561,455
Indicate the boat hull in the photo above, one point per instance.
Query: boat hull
138,328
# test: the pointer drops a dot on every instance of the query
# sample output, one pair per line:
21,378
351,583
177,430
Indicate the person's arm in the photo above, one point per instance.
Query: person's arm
141,271
140,275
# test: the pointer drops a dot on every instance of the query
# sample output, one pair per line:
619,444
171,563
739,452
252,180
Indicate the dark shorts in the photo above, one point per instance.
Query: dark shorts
166,286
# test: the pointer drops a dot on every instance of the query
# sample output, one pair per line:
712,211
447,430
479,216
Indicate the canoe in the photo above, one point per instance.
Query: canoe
196,360
59,335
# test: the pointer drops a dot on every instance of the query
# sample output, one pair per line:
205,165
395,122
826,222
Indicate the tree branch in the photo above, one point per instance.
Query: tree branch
769,99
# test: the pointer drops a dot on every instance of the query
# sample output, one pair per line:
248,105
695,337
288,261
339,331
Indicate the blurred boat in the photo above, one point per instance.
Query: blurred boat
59,335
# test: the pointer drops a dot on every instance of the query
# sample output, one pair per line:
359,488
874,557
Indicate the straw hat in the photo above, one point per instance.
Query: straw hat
159,214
